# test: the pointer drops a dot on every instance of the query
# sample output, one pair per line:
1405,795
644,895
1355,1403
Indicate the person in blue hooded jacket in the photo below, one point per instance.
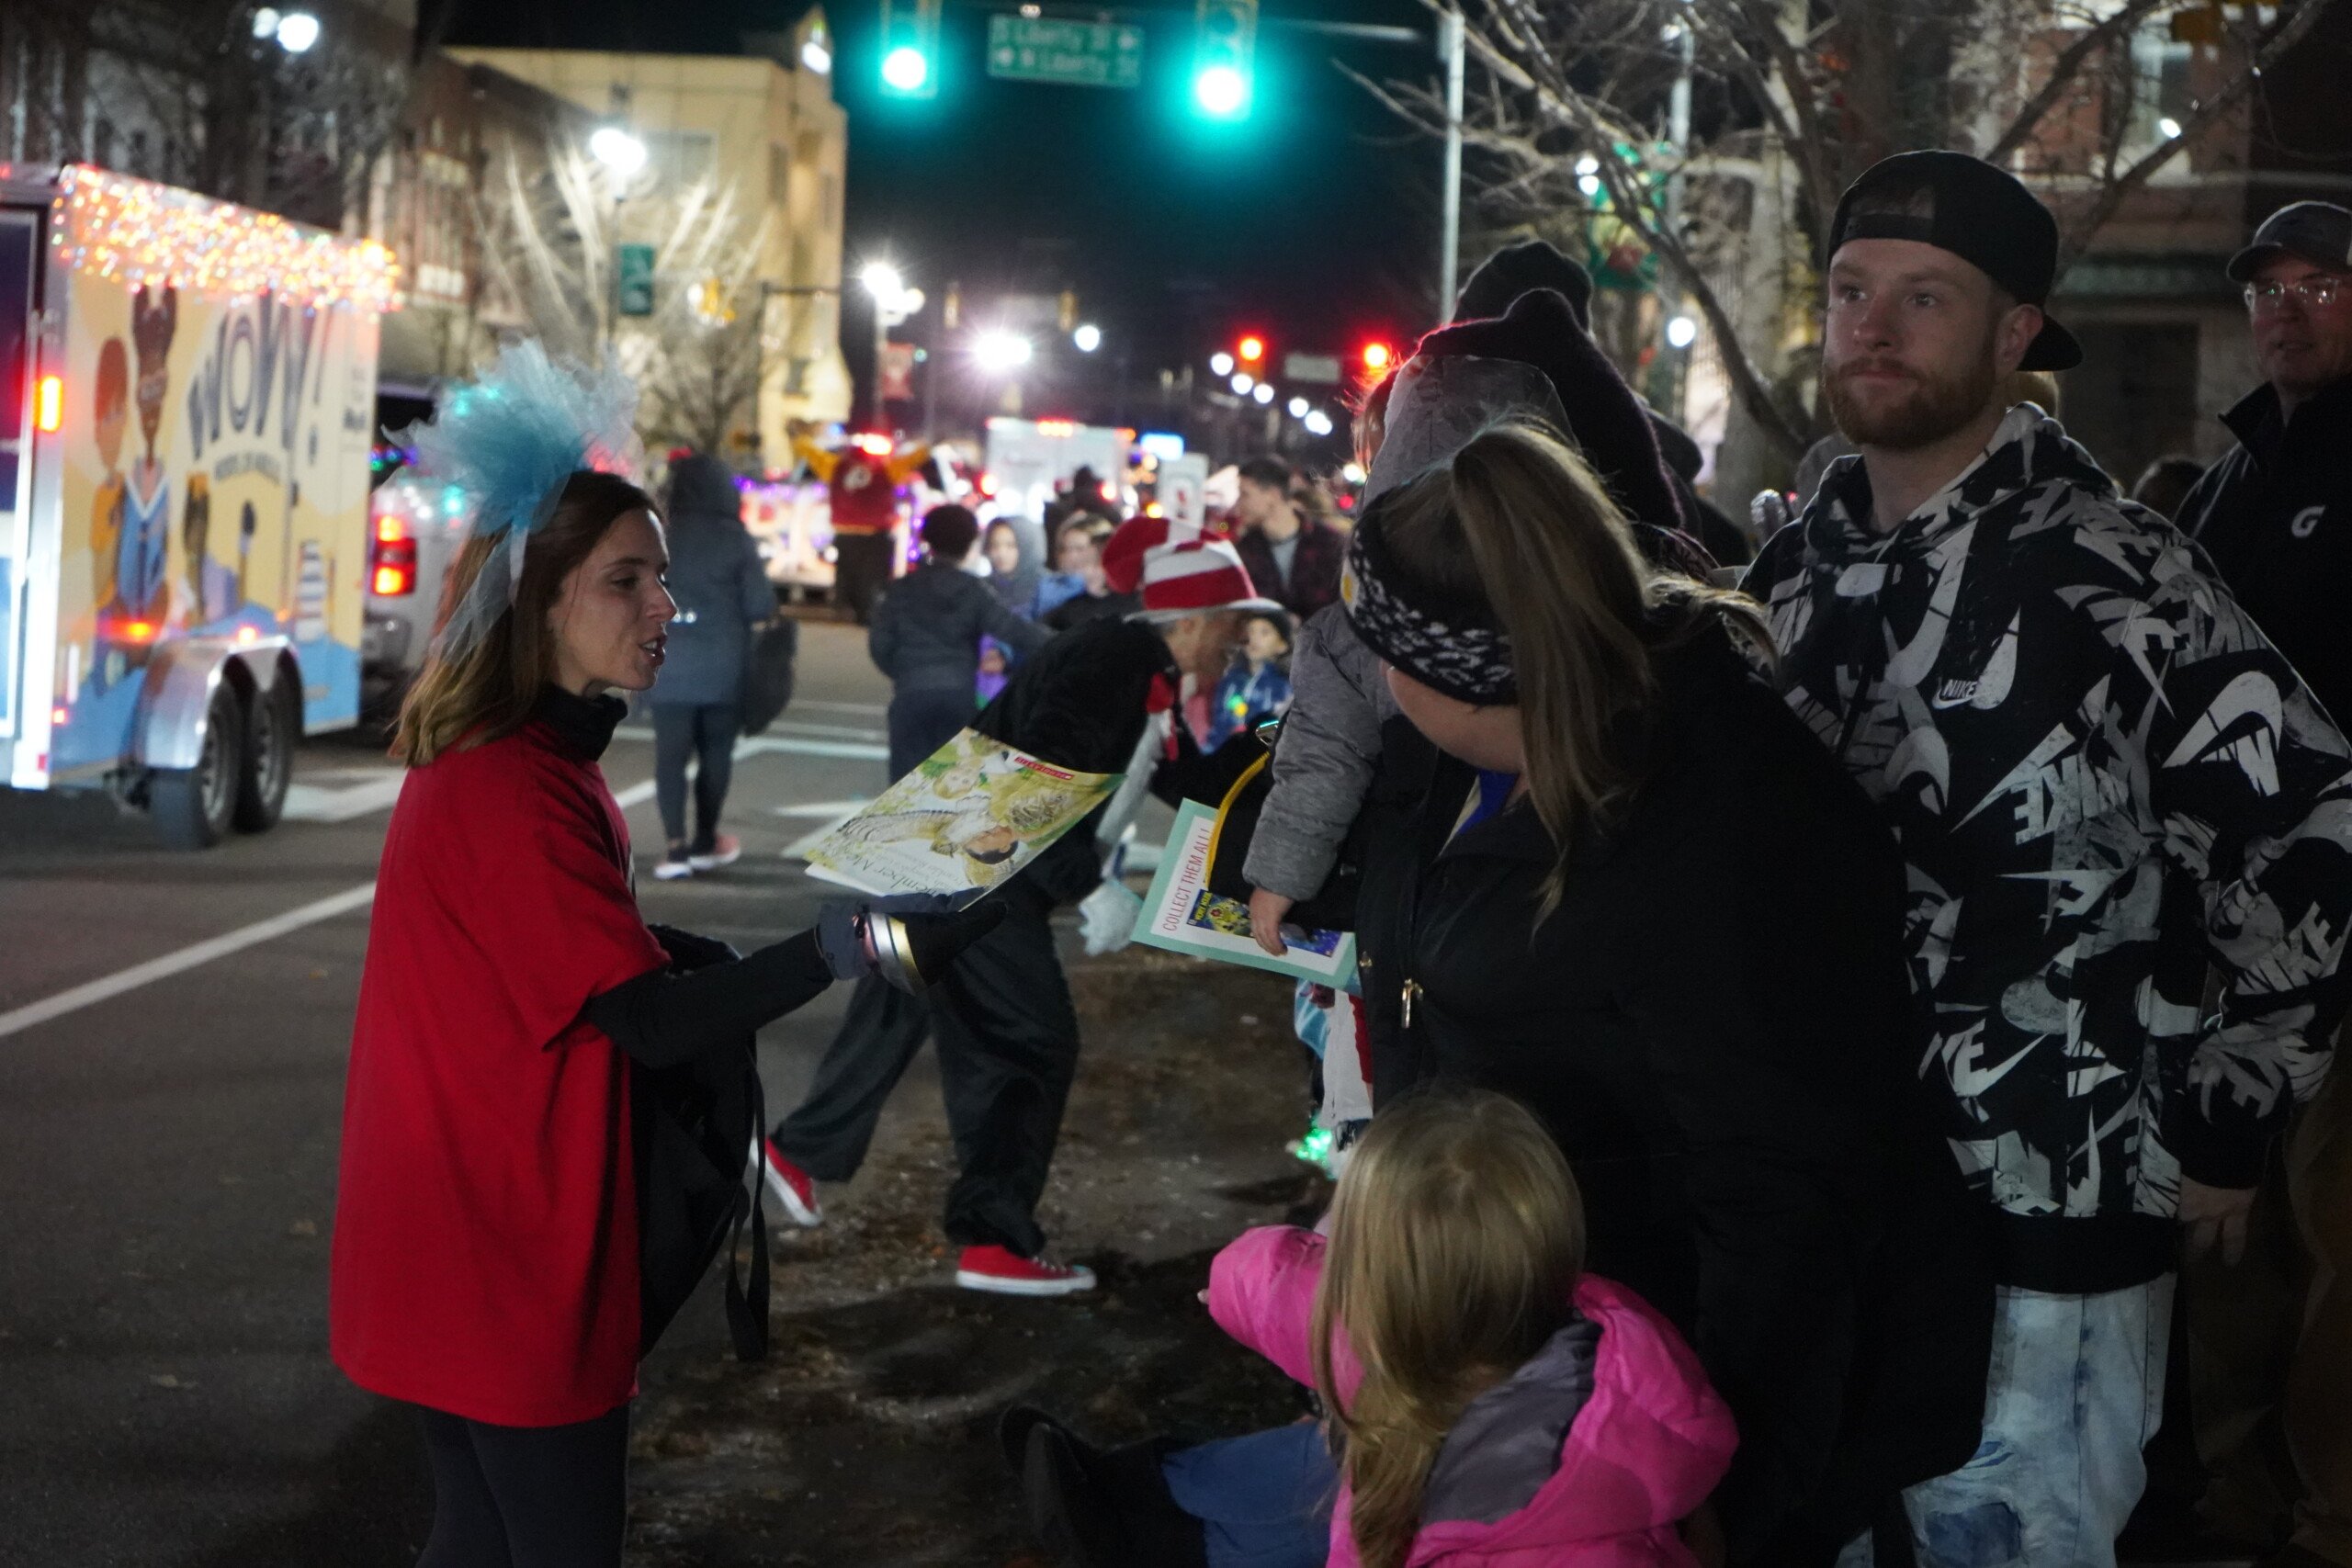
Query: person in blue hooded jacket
723,594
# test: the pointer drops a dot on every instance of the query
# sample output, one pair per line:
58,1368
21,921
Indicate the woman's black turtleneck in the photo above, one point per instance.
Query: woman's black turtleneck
706,999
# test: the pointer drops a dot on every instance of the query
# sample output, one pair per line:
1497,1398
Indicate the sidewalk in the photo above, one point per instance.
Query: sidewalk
868,1438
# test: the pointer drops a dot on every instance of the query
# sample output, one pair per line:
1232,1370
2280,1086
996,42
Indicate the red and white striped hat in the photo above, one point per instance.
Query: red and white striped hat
1178,570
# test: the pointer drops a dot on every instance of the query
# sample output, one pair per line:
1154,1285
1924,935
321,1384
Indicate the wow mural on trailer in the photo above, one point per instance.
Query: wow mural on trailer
211,482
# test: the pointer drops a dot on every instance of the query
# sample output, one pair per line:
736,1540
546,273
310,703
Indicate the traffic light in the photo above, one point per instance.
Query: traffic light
1251,352
1224,45
911,48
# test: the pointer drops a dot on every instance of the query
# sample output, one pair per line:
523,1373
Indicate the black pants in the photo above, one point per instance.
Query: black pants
526,1497
1008,1049
705,731
924,719
862,570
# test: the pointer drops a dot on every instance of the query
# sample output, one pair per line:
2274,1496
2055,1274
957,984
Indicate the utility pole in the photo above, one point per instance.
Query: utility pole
1450,49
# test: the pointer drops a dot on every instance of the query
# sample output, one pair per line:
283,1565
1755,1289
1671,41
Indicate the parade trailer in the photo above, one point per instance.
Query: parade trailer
1030,459
186,397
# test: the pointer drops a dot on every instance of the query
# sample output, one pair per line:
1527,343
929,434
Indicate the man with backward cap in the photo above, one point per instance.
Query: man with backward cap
2104,780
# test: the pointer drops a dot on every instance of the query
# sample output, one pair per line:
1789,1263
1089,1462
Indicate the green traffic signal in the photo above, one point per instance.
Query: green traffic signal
911,48
1224,47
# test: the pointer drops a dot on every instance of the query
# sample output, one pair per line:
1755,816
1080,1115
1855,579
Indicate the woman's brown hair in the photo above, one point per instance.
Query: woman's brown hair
1457,1237
488,688
1520,521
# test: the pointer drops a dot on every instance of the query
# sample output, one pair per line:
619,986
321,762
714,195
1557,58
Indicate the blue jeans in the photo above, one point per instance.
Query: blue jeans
1264,1501
2076,1389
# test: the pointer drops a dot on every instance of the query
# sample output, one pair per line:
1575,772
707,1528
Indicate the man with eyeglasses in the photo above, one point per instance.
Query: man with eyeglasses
2270,1333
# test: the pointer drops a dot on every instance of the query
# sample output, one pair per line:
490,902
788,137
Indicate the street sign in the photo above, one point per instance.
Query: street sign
1315,369
897,372
1071,54
633,281
1183,481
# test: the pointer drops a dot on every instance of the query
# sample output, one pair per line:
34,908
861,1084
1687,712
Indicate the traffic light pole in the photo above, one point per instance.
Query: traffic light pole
1449,52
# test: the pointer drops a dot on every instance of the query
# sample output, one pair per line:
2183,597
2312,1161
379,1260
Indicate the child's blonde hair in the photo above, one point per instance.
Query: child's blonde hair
1457,1236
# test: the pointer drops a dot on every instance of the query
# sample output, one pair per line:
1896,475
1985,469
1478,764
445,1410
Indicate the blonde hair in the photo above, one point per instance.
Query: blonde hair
1520,521
488,690
1457,1237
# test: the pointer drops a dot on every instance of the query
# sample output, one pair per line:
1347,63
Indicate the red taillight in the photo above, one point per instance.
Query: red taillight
392,560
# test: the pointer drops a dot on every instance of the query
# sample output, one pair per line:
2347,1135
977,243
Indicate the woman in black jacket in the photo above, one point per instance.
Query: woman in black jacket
1618,880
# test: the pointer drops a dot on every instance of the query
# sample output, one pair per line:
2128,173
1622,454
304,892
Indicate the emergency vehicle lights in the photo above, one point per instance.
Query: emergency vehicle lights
116,227
49,403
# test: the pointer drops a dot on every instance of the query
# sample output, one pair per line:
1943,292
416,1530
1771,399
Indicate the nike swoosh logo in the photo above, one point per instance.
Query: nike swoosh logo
1908,664
2243,726
1990,689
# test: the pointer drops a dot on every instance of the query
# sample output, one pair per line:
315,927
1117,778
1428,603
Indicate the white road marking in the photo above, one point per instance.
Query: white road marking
186,958
339,794
108,986
828,810
877,709
813,748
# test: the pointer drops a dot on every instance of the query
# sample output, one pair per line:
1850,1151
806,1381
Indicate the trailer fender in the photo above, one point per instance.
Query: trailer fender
181,677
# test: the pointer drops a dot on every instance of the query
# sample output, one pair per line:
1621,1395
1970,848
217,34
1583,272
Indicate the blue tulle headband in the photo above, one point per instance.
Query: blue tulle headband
509,440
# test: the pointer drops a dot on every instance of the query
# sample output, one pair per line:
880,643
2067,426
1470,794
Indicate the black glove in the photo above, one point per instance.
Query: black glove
937,939
909,940
688,951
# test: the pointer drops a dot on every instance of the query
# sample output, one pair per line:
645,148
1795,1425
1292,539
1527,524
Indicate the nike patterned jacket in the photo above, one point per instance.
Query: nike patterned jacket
2103,778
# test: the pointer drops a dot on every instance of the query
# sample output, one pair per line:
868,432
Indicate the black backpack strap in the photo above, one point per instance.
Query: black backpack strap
747,1309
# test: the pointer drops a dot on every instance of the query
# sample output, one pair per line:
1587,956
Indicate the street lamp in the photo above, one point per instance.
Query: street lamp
619,152
883,281
1086,338
1241,383
1681,331
297,31
1220,364
1318,423
1263,391
1000,353
1298,407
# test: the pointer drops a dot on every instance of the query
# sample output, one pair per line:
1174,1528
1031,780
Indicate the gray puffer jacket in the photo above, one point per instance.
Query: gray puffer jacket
719,582
1324,760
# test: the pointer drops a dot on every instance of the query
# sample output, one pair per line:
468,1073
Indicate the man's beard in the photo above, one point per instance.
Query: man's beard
1932,407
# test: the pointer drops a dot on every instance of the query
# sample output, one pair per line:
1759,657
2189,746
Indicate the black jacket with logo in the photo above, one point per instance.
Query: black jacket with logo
2276,515
2102,778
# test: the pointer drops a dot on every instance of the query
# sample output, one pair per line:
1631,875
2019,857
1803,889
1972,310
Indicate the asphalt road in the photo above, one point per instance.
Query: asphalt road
167,1148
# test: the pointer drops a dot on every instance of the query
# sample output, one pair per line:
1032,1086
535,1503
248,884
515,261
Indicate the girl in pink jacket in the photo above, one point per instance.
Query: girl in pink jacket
1490,1403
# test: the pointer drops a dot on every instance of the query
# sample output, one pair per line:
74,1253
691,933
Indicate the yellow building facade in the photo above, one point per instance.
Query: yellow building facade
770,139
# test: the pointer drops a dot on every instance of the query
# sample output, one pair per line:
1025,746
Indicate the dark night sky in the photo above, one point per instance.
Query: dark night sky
1314,222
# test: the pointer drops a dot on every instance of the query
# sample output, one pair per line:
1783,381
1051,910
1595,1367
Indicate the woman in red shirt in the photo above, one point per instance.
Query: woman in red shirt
485,1261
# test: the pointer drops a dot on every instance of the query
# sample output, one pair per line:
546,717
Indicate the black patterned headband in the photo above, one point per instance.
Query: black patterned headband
1448,644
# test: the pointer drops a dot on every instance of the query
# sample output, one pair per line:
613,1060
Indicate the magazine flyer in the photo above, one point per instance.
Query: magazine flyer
1181,915
968,818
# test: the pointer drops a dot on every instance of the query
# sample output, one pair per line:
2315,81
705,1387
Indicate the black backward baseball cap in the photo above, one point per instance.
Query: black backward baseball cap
2317,231
1980,213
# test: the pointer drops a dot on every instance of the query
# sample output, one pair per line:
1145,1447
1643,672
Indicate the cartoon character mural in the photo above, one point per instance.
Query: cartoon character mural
146,527
110,415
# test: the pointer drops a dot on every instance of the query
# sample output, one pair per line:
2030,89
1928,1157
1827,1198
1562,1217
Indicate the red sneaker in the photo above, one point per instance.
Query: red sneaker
1007,1273
793,1188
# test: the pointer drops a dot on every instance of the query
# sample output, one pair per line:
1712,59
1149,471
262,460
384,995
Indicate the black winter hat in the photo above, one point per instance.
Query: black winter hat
1606,421
1979,213
1522,269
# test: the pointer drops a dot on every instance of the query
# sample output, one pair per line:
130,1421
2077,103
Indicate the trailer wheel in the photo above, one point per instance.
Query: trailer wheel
273,719
193,806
